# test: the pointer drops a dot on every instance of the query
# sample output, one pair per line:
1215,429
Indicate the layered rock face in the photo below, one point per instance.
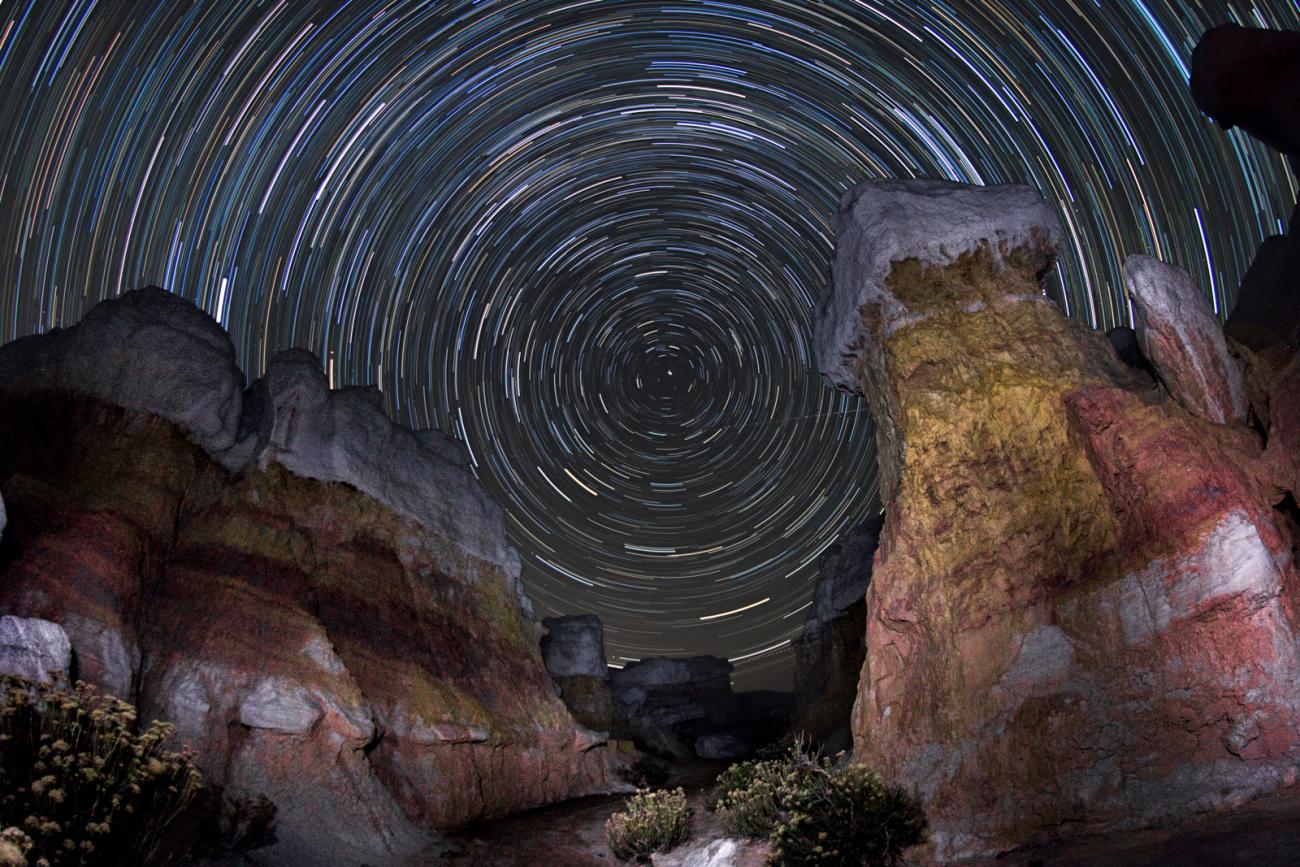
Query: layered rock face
829,655
1082,611
323,602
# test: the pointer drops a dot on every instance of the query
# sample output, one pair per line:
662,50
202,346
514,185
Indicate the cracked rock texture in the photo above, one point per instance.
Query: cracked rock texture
322,602
1082,611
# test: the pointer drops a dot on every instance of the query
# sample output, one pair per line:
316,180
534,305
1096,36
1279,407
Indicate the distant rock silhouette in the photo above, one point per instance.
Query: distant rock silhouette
829,654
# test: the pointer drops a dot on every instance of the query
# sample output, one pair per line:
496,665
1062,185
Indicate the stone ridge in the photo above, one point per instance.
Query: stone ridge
154,351
933,221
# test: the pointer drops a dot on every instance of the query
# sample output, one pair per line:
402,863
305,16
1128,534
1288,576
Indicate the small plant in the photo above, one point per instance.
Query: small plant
77,785
645,773
749,796
846,816
651,821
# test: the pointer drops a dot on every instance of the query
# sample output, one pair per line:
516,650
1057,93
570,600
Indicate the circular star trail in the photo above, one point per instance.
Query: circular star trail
586,237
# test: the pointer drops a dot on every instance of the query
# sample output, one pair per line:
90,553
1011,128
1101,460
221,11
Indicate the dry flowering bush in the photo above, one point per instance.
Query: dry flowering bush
817,811
78,786
651,821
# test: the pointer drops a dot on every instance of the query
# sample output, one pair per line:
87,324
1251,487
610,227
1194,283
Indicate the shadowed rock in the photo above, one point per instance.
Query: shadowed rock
1182,337
147,350
574,646
830,652
1250,77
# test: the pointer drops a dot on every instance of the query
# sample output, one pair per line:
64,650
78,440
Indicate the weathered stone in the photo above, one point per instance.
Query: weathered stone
1182,337
148,350
33,648
723,852
344,435
1080,615
1282,454
591,702
881,223
574,646
357,658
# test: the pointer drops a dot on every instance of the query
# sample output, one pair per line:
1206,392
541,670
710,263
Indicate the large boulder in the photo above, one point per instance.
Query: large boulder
147,350
1184,340
665,705
341,640
574,646
1081,612
829,654
33,648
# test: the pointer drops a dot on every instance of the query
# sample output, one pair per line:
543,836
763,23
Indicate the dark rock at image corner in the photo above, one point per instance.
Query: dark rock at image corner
1250,78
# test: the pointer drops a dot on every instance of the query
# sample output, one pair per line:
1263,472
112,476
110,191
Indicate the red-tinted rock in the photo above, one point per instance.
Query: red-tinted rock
1081,611
350,646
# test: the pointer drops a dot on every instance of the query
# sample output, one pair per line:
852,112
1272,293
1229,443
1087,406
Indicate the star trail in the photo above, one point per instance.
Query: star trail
587,237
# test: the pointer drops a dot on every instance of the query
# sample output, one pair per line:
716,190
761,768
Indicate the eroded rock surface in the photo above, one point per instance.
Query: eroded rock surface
1082,610
339,634
1184,340
33,648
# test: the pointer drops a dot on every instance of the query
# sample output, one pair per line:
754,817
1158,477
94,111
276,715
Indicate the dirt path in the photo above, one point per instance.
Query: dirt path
572,833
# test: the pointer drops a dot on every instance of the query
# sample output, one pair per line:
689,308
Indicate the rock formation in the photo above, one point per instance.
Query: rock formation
574,652
1184,340
829,655
34,649
323,602
1082,610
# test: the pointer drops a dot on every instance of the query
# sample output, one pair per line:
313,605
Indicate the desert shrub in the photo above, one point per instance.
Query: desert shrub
846,816
77,785
749,796
651,821
645,773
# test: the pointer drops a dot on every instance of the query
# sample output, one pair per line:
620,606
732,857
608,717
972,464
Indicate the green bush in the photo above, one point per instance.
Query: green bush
77,785
846,816
651,821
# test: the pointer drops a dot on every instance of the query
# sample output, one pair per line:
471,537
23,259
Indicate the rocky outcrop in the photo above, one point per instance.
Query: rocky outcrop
1082,611
829,655
322,602
573,649
34,649
1184,340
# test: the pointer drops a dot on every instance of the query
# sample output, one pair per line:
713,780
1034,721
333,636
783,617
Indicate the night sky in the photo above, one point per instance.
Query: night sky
587,237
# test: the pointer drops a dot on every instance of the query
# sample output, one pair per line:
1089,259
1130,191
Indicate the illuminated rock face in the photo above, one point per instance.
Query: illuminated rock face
1081,614
361,663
